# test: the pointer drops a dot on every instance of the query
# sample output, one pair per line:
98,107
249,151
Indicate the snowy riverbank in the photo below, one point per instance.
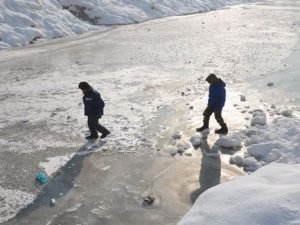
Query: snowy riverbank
26,22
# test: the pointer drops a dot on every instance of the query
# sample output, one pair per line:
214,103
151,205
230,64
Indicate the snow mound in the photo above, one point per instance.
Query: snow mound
274,186
24,22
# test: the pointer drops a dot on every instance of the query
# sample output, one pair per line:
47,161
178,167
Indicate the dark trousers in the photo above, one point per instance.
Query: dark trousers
94,126
218,115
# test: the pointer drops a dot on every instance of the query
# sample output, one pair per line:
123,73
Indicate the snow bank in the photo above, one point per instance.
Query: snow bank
26,21
269,196
126,11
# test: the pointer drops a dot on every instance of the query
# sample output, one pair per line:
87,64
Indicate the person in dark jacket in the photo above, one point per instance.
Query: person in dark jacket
93,109
216,102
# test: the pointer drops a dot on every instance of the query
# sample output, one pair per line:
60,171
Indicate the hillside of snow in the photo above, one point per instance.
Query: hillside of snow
25,22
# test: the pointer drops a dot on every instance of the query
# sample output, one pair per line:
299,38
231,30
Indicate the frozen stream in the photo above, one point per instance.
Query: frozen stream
141,71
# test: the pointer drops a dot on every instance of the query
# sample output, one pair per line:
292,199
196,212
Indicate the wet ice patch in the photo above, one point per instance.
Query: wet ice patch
13,201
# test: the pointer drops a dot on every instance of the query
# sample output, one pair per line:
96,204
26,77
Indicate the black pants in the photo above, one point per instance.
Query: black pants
218,115
94,126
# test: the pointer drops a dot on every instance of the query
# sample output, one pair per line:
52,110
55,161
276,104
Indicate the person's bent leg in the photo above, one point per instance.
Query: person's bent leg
103,130
207,113
220,120
92,124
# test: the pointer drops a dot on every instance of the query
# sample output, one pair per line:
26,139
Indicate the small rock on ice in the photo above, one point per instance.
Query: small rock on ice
270,84
230,141
243,98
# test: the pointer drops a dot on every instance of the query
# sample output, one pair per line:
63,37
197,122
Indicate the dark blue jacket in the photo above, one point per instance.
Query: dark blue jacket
93,104
217,95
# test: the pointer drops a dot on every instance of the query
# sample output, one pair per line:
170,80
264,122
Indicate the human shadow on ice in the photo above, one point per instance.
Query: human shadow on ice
210,171
64,179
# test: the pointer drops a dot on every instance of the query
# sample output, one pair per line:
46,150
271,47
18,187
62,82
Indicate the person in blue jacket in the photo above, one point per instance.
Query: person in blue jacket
93,109
216,102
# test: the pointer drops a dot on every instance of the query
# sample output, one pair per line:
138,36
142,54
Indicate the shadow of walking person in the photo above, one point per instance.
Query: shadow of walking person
210,172
64,179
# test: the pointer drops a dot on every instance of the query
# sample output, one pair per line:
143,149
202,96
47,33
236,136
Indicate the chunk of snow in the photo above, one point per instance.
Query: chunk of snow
232,141
251,164
237,159
259,118
196,140
260,150
177,135
183,146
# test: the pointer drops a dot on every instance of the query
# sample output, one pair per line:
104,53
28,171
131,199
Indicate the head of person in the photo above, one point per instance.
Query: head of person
84,86
212,78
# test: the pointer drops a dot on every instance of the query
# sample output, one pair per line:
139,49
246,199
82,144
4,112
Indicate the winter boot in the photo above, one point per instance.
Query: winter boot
104,134
91,137
223,130
204,127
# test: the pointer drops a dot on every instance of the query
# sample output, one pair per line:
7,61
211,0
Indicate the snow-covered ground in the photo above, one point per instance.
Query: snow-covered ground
25,22
145,71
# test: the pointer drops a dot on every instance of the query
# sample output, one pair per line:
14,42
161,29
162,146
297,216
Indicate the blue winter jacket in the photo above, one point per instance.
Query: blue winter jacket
93,104
217,95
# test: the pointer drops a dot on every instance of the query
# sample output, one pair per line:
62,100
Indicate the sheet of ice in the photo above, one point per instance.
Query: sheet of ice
12,201
269,196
